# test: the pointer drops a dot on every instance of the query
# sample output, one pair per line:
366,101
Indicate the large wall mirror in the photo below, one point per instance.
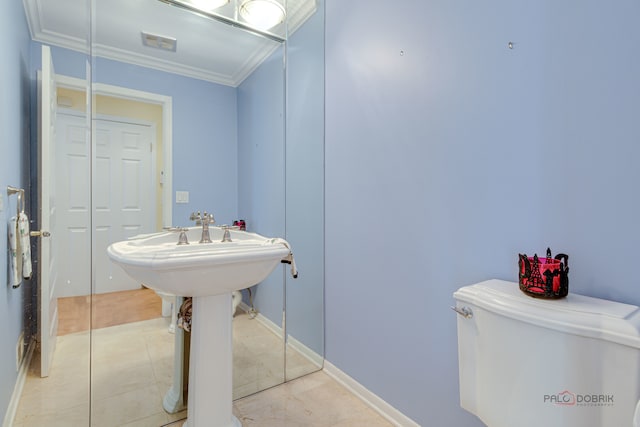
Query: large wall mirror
160,110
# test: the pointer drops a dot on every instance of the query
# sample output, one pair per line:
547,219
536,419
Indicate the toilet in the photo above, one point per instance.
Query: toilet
529,362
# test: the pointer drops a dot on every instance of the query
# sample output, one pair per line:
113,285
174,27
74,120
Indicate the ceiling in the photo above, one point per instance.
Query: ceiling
206,49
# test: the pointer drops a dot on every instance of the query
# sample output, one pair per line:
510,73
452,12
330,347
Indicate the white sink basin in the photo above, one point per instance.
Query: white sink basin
209,272
198,269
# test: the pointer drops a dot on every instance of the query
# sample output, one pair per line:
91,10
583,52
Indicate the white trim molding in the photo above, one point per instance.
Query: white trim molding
387,411
10,415
292,343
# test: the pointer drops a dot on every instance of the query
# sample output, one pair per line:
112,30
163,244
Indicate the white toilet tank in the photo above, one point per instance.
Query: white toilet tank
528,362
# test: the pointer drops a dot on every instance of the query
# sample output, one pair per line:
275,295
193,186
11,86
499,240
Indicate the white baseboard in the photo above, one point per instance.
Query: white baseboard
17,390
292,343
266,322
313,357
390,413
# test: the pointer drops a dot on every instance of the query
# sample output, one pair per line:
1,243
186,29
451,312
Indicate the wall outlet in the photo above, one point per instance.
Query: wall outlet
19,351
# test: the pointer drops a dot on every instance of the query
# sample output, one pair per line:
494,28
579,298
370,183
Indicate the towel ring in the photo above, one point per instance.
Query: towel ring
20,192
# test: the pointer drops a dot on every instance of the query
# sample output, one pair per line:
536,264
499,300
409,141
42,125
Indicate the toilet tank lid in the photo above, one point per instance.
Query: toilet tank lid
575,314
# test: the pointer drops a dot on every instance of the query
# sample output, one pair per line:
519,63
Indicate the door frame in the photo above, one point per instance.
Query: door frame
166,102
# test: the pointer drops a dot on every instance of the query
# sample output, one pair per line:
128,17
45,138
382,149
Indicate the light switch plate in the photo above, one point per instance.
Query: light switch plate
1,202
182,197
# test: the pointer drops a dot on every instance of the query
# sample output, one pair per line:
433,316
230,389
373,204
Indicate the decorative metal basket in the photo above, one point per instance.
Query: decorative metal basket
544,277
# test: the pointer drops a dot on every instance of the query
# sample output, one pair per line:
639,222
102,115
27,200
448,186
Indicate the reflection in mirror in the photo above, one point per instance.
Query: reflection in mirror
147,364
53,348
263,17
305,196
271,19
166,133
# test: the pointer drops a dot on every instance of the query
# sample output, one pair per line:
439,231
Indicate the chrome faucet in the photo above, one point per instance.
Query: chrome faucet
204,220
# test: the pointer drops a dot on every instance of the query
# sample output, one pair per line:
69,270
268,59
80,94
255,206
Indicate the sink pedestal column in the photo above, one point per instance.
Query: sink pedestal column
210,399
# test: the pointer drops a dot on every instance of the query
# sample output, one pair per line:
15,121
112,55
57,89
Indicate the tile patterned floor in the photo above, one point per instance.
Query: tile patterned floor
132,369
314,400
132,366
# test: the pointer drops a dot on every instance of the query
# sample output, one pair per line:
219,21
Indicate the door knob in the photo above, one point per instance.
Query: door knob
39,233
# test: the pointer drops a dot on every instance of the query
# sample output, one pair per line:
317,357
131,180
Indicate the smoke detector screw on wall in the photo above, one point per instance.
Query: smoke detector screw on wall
159,42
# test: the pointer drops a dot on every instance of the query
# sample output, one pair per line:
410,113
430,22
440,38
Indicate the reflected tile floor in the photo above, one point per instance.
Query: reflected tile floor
315,400
132,367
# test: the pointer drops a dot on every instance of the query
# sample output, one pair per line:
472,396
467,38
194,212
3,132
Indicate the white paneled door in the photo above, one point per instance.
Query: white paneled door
123,194
73,228
123,199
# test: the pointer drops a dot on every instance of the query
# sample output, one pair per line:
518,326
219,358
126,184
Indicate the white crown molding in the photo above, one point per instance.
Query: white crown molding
34,21
121,55
61,40
299,13
33,17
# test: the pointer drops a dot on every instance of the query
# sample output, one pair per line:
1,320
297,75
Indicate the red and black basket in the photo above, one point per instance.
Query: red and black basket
544,277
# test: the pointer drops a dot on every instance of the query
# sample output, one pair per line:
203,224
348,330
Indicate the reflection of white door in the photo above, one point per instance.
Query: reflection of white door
122,198
47,273
123,194
73,230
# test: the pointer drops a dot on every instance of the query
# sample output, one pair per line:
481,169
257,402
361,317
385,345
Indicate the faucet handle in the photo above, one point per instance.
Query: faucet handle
182,239
226,236
195,216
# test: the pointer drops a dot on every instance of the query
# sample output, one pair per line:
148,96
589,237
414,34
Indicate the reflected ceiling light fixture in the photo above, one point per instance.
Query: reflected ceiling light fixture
208,4
262,14
254,16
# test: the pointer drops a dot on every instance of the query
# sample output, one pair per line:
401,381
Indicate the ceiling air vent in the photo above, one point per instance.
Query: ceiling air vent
159,42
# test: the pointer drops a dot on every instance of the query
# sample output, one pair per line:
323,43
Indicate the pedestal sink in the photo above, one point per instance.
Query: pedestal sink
208,272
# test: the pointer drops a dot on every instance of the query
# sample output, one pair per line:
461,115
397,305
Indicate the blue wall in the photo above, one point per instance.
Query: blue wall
447,154
14,171
305,181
